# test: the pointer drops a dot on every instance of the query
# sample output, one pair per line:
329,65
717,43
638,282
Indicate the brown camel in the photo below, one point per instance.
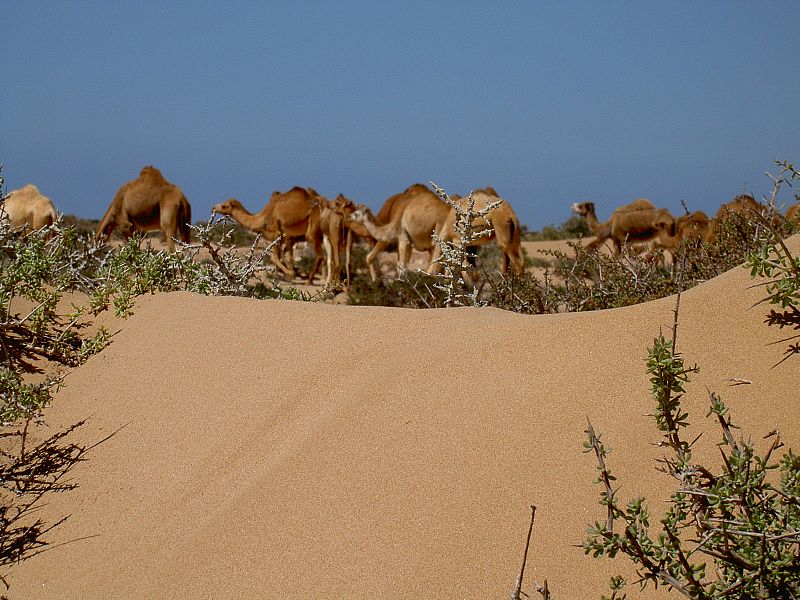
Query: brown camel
503,225
286,215
27,207
747,207
147,203
692,229
408,218
637,222
338,233
741,204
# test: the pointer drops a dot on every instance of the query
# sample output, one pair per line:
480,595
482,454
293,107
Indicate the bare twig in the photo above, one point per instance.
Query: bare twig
518,586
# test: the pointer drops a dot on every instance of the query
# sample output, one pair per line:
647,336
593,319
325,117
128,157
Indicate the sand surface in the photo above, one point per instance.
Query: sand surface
275,449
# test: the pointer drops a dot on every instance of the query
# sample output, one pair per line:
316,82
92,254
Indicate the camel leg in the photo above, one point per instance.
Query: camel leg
275,256
319,256
434,268
517,262
348,249
169,225
376,249
333,265
326,242
504,262
403,254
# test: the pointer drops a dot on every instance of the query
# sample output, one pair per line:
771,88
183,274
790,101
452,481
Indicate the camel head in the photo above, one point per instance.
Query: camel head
104,230
695,226
360,214
227,207
663,221
583,208
343,205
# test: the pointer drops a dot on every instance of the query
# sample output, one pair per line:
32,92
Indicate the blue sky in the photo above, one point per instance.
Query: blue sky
549,102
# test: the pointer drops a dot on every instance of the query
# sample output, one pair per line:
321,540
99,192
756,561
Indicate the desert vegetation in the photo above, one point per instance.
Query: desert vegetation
744,521
729,532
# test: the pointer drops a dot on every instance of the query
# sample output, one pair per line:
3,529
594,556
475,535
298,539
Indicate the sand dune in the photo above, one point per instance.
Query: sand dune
284,450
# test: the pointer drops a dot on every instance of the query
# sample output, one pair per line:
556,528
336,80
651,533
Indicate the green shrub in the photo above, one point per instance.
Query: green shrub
738,519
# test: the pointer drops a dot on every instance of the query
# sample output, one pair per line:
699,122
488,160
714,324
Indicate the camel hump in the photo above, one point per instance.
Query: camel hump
416,188
698,216
489,190
150,172
637,204
27,191
30,189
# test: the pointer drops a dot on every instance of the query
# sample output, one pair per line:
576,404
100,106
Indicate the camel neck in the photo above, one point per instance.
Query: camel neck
383,233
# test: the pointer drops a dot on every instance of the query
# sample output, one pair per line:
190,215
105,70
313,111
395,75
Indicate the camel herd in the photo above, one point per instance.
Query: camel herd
407,220
642,222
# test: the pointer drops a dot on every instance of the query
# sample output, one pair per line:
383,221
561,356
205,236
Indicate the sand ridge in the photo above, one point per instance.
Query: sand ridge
274,449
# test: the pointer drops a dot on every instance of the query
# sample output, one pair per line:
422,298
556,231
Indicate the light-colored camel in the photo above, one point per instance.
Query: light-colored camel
409,219
147,203
502,225
285,215
332,218
637,222
27,207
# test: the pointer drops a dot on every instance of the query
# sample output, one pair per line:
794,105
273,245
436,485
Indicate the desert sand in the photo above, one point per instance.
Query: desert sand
276,449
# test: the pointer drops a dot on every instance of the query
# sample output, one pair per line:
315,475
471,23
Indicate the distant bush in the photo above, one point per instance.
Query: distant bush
573,227
412,290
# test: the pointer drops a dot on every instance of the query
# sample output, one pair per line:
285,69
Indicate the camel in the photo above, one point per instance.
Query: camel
286,215
27,207
408,218
639,221
338,233
147,203
694,229
744,205
503,225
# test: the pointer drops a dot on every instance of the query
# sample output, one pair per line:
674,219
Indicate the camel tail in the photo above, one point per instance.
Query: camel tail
512,252
184,220
514,231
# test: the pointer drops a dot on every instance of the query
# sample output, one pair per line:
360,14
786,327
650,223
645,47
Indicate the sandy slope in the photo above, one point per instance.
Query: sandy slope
287,450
